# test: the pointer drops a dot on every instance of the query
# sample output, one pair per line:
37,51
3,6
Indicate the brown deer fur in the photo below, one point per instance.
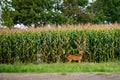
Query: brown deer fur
77,57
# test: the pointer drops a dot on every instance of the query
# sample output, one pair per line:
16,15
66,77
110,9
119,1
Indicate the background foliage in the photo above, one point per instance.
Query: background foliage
105,11
59,12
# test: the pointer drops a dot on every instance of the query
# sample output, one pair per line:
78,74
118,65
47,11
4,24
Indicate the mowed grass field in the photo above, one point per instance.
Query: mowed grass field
61,67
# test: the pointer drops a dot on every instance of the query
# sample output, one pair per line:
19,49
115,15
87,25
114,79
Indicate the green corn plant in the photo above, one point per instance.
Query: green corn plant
56,45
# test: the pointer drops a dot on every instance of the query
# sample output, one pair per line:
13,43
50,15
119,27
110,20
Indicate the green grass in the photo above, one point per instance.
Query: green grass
61,67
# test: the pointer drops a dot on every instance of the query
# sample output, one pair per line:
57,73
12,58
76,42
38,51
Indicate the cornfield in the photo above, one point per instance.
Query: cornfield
55,45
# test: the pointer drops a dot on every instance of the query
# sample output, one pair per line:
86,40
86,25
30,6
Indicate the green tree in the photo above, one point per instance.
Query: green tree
7,19
32,11
83,3
76,10
38,12
105,10
6,14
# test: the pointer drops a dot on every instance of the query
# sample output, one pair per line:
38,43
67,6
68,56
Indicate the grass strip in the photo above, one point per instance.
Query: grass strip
61,67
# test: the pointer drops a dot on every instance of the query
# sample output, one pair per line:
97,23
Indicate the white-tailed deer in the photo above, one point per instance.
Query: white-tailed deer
77,57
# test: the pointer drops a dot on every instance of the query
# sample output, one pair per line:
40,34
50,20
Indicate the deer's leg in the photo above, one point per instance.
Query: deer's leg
70,61
78,61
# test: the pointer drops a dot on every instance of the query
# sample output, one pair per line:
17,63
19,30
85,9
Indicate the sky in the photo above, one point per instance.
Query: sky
90,0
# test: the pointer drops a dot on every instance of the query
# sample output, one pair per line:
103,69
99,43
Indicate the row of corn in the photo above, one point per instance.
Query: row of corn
56,45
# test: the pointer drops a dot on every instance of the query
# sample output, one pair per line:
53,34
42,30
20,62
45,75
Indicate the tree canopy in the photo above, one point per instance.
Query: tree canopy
106,11
58,12
75,9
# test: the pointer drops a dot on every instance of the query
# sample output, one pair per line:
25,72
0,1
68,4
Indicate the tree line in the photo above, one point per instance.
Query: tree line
59,12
